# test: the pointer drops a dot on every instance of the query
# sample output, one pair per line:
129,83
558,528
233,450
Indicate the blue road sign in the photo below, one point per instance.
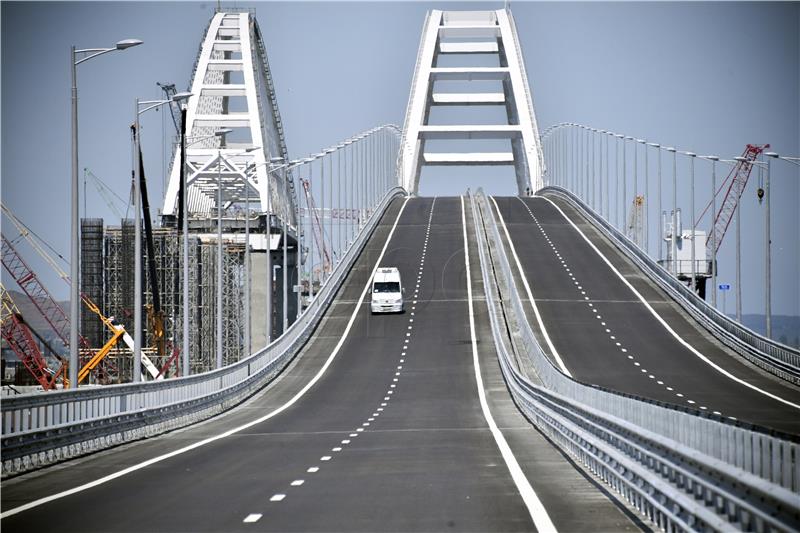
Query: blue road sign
724,286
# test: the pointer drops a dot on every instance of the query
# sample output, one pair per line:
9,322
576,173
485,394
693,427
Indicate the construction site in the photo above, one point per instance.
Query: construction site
239,221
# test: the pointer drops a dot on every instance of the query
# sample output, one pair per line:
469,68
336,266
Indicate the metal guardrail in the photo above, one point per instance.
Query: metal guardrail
38,429
681,469
774,357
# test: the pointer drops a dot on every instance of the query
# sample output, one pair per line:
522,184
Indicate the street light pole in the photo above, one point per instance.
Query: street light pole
74,290
185,223
674,239
219,258
714,160
137,273
75,294
285,252
768,247
137,254
646,198
692,157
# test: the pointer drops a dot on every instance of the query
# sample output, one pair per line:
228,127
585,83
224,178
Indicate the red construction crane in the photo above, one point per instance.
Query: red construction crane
20,339
46,304
734,186
316,224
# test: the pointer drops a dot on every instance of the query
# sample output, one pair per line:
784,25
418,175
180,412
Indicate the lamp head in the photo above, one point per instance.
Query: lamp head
177,97
127,43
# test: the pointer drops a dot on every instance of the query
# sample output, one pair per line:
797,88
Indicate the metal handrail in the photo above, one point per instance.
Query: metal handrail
34,425
770,355
682,469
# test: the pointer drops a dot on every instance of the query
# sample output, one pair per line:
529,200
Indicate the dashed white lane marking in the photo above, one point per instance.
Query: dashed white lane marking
325,458
251,518
271,414
663,322
583,292
277,497
553,350
537,511
313,469
298,482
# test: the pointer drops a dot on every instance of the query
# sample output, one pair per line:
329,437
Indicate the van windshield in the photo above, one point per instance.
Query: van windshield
386,286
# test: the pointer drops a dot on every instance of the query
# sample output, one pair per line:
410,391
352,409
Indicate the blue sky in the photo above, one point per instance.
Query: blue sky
707,77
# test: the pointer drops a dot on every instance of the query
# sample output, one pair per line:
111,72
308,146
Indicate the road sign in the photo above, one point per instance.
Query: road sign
724,286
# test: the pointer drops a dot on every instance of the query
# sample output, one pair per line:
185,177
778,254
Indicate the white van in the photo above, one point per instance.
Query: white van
387,291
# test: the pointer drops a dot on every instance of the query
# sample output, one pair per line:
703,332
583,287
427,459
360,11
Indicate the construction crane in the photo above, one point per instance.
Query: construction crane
734,186
316,226
636,221
155,315
174,107
105,192
19,337
52,312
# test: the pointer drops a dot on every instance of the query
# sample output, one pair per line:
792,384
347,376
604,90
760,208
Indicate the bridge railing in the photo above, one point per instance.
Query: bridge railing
772,356
681,468
39,429
627,181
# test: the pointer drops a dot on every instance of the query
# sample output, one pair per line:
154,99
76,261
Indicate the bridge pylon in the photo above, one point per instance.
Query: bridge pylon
232,91
471,34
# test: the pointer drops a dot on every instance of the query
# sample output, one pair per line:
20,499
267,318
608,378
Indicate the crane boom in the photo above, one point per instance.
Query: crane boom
20,339
733,185
319,236
113,328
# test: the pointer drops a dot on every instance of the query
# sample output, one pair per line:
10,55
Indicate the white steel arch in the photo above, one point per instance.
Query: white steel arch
231,89
471,32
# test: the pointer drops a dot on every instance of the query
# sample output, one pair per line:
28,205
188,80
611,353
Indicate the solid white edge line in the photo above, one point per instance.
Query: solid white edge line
662,321
535,507
531,299
292,401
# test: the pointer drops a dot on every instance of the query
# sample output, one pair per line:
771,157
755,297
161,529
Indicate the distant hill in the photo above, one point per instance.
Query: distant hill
785,328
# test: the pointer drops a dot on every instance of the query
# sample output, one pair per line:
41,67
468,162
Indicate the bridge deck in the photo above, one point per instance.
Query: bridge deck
627,349
426,462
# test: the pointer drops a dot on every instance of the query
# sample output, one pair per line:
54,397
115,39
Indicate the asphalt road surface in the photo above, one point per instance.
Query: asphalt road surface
606,336
391,437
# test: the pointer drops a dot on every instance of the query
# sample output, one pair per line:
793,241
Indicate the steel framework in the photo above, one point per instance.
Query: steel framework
233,93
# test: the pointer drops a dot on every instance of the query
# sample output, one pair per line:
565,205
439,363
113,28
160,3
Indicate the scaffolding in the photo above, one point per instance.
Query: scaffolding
117,296
92,278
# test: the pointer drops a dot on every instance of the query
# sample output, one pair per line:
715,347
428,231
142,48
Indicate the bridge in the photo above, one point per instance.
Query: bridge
550,371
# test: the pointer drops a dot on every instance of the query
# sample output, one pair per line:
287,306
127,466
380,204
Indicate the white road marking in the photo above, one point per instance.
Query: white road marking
549,342
254,517
277,497
346,441
537,511
336,449
297,482
662,321
198,444
313,469
325,458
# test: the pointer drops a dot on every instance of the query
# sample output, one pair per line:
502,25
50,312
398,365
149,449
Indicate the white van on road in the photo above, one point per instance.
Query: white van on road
387,291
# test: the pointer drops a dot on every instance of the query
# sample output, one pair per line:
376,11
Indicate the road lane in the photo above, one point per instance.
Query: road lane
606,335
